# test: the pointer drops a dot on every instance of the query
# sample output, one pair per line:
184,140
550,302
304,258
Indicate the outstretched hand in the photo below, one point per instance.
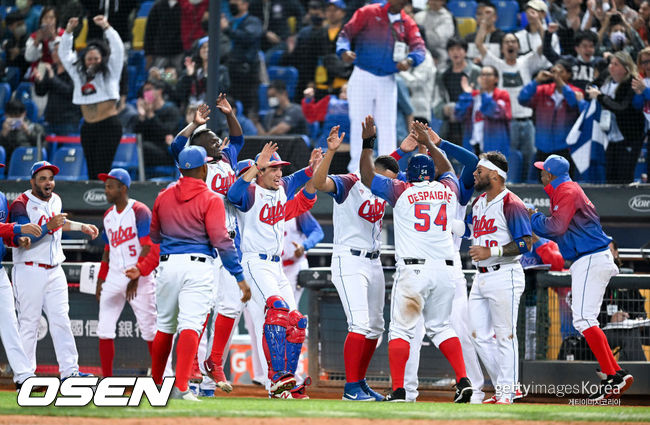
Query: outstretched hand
368,128
435,138
223,105
202,115
315,158
101,21
420,132
72,24
334,140
265,156
410,143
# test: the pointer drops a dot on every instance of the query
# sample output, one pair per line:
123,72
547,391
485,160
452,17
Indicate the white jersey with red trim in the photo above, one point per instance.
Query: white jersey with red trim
357,214
497,223
122,232
461,214
48,249
291,234
220,177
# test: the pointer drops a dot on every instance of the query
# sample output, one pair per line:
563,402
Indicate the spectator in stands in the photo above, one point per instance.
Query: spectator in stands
31,14
420,81
516,71
556,106
163,45
330,111
641,87
193,83
531,37
14,42
585,63
247,126
285,117
126,112
37,47
486,12
62,116
16,129
96,74
157,119
486,113
568,18
245,31
117,10
642,22
626,128
617,34
439,27
169,77
274,15
626,11
448,88
194,17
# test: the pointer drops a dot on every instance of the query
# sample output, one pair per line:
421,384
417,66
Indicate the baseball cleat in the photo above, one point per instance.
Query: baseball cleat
218,376
283,394
518,395
603,389
397,396
353,392
284,383
77,373
463,391
35,389
491,400
182,395
627,379
372,393
504,400
196,375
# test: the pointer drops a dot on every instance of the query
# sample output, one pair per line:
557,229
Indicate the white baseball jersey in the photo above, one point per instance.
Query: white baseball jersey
27,208
220,177
498,223
291,234
357,214
420,214
123,231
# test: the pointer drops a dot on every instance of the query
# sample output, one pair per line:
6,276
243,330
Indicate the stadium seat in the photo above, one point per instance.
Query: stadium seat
507,15
126,157
139,27
23,91
80,41
514,166
21,162
5,95
288,74
32,111
144,9
13,76
3,160
273,57
71,163
263,100
465,26
462,8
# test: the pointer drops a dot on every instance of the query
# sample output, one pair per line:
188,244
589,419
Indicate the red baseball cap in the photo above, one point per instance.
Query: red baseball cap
2,166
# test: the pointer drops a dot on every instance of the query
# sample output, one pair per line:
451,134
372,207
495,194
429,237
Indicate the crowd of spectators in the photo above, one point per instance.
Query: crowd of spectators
570,77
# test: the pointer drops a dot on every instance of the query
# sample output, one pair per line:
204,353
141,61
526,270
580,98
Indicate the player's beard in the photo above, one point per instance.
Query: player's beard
482,185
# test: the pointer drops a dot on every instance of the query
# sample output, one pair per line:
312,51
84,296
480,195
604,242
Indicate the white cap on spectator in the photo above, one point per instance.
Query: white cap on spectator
538,5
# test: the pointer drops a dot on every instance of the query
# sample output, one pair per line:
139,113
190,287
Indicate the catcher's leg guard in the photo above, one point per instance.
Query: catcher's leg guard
275,336
295,337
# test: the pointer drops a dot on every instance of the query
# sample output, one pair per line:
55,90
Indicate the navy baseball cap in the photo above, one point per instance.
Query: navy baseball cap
192,157
119,174
274,161
44,165
244,165
554,164
338,3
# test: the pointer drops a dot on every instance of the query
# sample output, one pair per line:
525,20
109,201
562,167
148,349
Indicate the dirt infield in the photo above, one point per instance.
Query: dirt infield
51,420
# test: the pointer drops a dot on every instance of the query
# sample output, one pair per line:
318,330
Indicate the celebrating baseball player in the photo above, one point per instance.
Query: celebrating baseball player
500,233
575,226
221,175
18,361
127,264
189,223
424,284
264,206
37,275
356,267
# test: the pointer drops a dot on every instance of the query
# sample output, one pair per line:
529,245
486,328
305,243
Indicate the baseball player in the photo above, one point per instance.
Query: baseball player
575,226
189,223
356,267
424,284
459,311
39,281
18,361
264,206
500,233
301,234
127,264
221,176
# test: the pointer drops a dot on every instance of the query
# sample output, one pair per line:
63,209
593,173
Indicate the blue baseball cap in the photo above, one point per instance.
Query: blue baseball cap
119,174
44,165
554,164
338,3
192,157
244,165
274,161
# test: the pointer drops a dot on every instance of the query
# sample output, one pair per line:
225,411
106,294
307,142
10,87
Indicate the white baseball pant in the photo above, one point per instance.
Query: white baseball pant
493,305
113,298
184,292
362,288
369,94
20,364
292,271
589,279
45,290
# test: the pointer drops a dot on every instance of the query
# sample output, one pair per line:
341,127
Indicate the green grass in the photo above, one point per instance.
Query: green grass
247,407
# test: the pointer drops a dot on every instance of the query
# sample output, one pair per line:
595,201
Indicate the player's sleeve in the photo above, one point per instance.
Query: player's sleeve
300,204
149,262
561,215
350,31
451,181
18,214
104,236
215,225
292,182
242,194
142,219
178,145
398,154
310,227
343,184
497,106
517,220
232,150
387,188
415,42
549,253
469,161
154,229
469,223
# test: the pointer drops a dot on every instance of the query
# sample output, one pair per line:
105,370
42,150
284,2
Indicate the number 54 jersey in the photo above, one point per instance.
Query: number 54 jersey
420,212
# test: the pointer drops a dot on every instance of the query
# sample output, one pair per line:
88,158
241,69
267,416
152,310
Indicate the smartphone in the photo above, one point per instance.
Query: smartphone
16,124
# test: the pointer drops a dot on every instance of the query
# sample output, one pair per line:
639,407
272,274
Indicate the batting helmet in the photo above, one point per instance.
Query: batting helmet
420,168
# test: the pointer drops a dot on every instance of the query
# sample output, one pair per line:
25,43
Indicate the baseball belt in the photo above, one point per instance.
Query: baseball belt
411,261
165,257
371,255
489,268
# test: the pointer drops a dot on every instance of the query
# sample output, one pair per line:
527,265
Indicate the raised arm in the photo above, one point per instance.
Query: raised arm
201,116
480,38
366,164
320,179
66,53
440,161
116,58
